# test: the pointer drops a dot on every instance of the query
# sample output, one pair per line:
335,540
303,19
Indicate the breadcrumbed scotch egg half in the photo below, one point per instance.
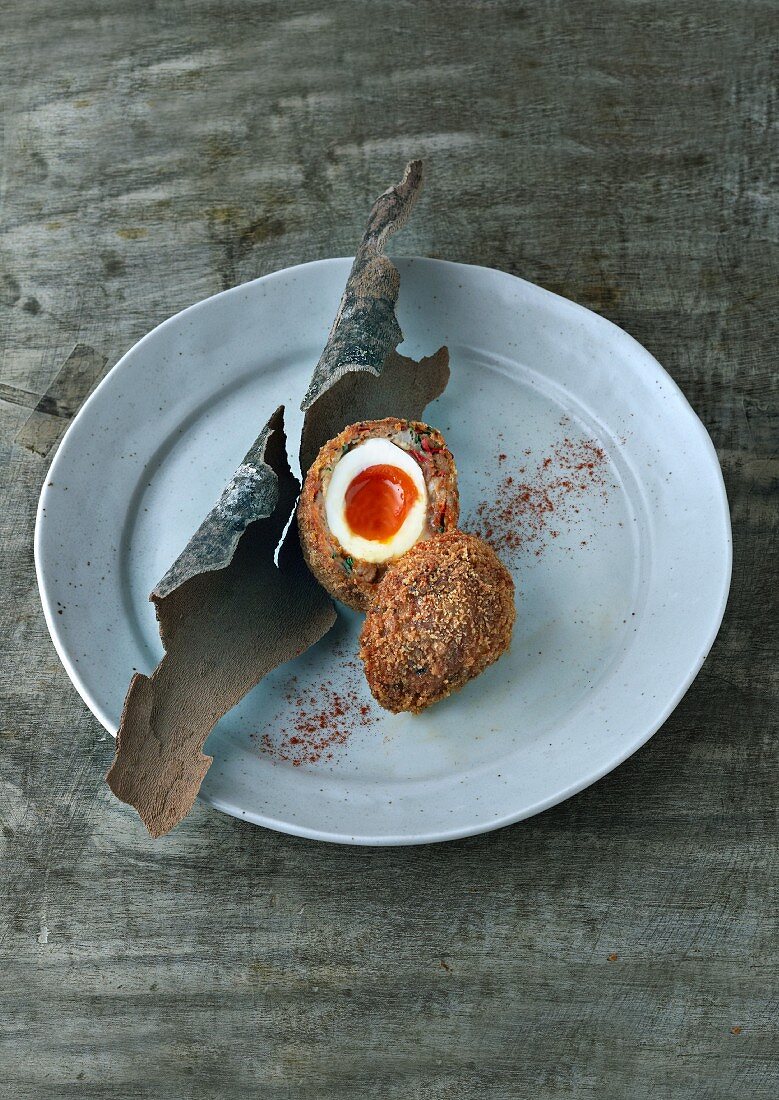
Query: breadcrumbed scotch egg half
372,493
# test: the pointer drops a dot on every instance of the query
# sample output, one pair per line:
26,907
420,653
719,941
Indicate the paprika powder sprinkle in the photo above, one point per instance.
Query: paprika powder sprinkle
524,513
318,721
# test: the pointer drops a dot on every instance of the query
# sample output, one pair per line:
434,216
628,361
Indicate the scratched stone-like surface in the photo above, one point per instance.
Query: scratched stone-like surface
622,945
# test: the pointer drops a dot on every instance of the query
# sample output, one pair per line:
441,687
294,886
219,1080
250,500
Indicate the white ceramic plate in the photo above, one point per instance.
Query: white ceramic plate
621,584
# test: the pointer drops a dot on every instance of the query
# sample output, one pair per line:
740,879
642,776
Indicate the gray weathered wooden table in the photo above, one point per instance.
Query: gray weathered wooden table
623,945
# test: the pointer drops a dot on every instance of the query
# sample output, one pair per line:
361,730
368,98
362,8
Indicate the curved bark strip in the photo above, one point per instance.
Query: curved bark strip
359,375
228,616
252,494
365,326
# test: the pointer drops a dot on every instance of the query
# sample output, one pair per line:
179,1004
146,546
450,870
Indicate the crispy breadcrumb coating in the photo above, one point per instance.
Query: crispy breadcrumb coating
441,614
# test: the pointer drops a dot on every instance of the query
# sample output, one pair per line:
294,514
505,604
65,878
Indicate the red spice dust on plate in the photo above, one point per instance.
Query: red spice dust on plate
526,510
319,720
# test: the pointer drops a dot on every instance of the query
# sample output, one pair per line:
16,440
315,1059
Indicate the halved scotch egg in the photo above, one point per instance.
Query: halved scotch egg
440,616
372,493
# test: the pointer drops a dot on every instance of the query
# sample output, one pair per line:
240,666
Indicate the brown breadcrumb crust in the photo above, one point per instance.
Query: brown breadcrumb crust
441,614
350,579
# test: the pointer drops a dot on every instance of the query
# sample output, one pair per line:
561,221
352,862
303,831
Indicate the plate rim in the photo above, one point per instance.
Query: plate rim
459,832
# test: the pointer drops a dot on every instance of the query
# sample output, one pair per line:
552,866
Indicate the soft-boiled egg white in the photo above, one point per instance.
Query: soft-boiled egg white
374,452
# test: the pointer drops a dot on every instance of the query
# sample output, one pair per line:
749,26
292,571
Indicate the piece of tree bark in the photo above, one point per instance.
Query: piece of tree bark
228,616
360,376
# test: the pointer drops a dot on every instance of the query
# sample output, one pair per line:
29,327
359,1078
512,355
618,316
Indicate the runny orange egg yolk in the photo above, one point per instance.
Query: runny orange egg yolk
378,500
